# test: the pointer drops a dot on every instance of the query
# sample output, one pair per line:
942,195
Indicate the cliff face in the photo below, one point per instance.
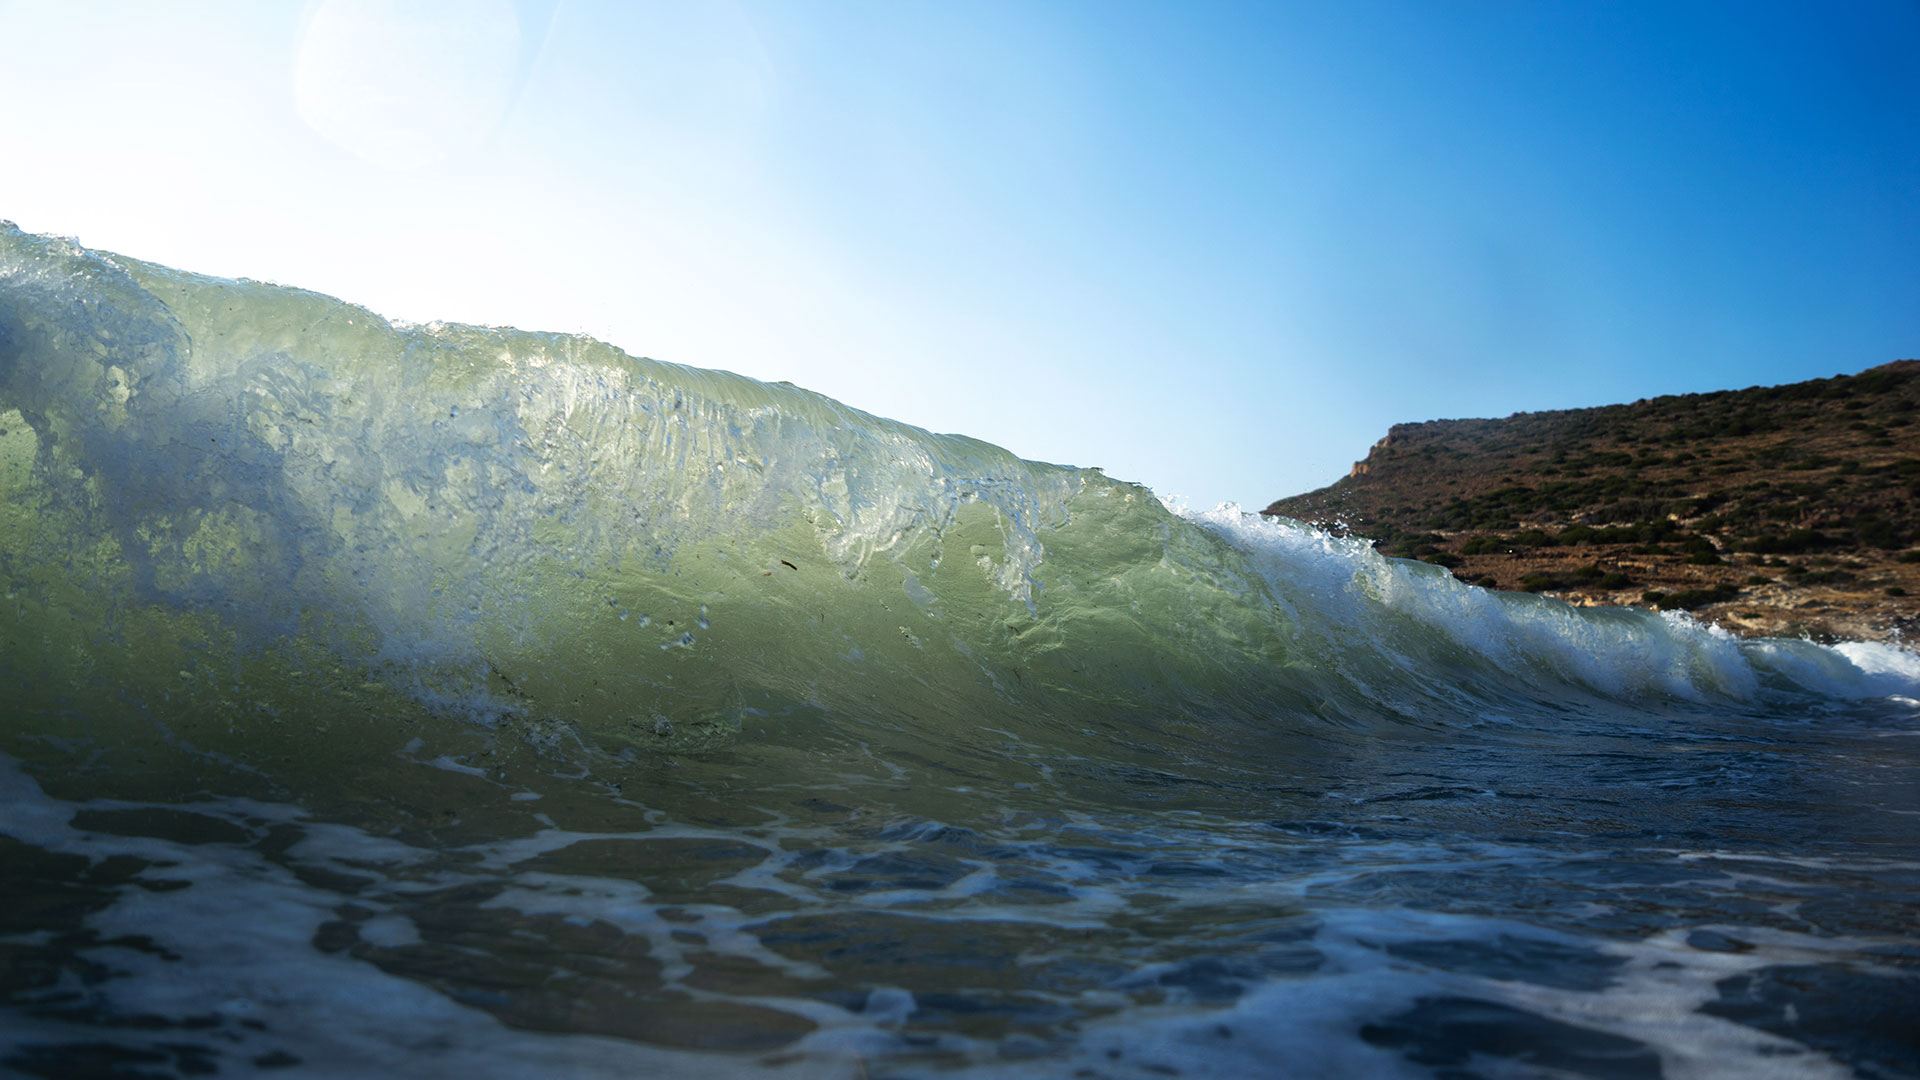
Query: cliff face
1777,509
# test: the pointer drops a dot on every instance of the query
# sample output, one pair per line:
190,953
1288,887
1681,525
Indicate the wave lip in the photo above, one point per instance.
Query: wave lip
1419,618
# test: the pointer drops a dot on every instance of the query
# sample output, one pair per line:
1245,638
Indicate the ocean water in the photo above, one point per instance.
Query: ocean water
450,701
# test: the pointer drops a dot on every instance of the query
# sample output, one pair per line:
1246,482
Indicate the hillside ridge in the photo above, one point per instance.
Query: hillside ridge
1768,510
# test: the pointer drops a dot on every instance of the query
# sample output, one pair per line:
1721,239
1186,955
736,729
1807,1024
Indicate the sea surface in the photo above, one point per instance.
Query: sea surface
446,701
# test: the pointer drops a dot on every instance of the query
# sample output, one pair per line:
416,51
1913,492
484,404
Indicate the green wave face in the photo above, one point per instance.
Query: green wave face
238,507
233,498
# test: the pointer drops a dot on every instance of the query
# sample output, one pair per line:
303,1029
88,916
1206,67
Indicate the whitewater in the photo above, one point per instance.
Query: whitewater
443,700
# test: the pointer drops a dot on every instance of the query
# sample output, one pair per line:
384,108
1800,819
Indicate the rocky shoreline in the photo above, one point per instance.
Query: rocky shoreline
1770,511
1851,596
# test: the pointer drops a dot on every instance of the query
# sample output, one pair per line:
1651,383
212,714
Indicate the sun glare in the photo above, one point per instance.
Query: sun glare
406,84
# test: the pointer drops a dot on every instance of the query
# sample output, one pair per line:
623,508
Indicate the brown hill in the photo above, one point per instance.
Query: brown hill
1776,510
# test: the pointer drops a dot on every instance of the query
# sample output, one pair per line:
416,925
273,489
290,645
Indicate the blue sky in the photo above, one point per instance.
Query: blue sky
1215,248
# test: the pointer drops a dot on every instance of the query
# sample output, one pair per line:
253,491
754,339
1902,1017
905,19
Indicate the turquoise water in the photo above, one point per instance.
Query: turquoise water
447,700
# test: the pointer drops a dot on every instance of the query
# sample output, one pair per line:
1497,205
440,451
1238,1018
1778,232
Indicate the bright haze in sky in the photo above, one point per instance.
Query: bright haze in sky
1215,248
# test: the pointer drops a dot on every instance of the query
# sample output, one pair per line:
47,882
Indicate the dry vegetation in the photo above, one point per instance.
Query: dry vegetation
1771,510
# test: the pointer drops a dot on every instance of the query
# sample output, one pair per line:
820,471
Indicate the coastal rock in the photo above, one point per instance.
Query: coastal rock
1780,510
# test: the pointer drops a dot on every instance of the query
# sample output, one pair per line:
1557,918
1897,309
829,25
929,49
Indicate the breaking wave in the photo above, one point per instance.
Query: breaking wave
236,500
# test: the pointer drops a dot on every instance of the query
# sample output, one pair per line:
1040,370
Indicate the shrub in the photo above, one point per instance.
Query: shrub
1537,581
1614,580
1488,582
1876,531
1895,590
1409,545
1480,545
1703,558
1796,541
1630,510
1688,599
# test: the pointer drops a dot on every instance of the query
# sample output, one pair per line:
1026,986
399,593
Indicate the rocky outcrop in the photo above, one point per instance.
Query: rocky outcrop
1783,509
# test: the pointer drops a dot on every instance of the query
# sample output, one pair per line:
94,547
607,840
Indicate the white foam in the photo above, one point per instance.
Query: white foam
241,943
243,933
1365,602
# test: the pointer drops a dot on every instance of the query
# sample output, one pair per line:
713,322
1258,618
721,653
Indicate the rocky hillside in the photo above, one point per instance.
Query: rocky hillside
1775,510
